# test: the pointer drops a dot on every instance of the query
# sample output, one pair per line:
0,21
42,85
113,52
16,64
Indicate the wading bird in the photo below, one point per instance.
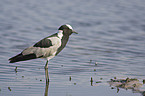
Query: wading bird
47,47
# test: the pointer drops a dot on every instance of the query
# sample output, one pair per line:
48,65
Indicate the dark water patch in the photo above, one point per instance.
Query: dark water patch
49,28
125,28
88,24
22,47
137,38
70,71
4,26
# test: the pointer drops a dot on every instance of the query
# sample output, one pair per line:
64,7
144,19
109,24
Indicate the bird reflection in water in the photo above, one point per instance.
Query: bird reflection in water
47,82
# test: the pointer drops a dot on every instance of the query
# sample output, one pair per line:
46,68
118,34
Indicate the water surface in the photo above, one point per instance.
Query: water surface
111,33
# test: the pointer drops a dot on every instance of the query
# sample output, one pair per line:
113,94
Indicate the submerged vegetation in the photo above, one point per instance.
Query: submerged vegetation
128,83
9,89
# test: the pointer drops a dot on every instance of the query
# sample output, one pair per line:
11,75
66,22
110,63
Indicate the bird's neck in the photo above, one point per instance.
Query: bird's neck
60,34
64,40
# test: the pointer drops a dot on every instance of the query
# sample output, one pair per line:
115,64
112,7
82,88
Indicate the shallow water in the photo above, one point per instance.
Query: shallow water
111,33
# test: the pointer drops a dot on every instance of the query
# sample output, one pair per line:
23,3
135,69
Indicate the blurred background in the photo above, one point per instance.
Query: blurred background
110,44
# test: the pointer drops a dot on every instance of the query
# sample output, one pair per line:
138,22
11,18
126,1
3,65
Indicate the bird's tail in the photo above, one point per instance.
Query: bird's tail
21,57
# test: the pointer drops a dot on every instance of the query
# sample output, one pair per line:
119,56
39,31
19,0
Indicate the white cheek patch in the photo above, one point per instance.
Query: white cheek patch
60,34
69,26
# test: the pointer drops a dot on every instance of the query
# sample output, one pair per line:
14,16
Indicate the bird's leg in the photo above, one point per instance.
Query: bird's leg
46,72
46,89
46,65
47,76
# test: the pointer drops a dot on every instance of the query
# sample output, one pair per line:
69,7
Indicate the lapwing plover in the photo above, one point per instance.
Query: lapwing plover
47,47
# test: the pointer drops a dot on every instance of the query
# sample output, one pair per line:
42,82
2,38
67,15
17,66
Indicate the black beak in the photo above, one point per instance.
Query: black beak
74,32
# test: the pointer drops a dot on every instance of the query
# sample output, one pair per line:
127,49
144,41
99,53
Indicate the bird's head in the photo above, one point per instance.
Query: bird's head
66,30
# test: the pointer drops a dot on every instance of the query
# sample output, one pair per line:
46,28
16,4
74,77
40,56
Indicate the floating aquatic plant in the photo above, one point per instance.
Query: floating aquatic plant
9,89
16,69
70,78
128,83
